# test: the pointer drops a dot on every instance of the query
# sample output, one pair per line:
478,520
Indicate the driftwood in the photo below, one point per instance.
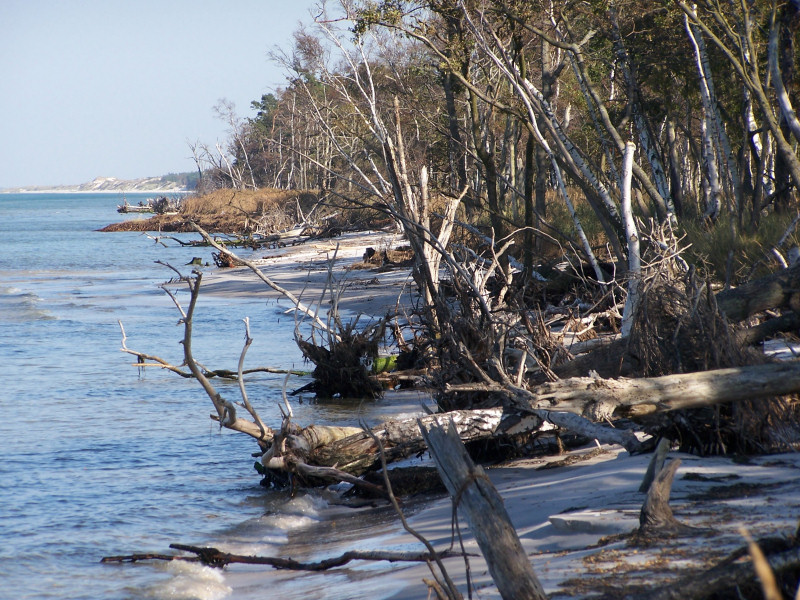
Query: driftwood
360,452
631,397
779,290
482,506
356,451
789,321
322,454
219,559
144,360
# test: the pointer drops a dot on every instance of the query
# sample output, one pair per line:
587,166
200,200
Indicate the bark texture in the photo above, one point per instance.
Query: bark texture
483,509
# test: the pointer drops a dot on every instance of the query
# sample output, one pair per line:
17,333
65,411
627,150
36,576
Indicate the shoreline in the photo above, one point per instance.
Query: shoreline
303,270
573,522
69,191
562,514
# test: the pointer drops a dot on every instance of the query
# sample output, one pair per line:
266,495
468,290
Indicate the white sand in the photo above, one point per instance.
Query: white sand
560,514
303,270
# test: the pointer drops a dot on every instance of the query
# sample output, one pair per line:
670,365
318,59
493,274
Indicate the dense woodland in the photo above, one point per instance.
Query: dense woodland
522,110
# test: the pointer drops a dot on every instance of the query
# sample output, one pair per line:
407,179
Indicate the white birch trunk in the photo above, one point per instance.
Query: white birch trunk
713,121
632,235
777,82
645,138
712,176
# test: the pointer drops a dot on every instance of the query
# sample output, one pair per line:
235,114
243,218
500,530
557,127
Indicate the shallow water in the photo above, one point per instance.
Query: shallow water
98,459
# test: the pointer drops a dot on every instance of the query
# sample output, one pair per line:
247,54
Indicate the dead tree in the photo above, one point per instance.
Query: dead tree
594,396
656,518
477,499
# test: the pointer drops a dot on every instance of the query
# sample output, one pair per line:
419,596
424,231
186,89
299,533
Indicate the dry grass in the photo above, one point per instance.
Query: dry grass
252,203
727,251
231,211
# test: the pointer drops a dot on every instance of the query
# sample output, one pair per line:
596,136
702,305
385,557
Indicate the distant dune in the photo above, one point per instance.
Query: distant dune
163,184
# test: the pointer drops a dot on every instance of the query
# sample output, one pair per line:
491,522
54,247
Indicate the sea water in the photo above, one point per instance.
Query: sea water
98,458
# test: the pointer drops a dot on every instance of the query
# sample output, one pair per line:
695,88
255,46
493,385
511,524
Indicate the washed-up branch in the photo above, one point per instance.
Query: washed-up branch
217,558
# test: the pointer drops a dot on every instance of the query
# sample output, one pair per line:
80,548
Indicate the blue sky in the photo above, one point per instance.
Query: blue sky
94,88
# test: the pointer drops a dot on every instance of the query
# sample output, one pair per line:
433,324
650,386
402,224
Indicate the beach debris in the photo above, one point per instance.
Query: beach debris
213,557
477,500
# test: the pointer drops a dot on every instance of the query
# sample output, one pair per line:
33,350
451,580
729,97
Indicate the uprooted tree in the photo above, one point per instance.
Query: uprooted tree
318,453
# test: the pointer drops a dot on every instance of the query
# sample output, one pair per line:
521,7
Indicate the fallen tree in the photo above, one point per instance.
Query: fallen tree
597,398
778,291
217,558
319,454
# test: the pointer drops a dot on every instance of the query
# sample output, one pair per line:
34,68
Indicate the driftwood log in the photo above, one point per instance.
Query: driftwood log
599,398
779,290
477,499
217,558
356,451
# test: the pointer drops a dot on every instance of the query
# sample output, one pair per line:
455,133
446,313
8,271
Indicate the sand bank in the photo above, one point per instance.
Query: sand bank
561,515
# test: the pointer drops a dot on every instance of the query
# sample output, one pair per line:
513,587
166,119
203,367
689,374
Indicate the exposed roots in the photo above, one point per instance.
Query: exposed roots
343,367
678,329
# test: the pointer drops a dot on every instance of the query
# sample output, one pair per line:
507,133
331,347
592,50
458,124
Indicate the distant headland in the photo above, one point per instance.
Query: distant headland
173,182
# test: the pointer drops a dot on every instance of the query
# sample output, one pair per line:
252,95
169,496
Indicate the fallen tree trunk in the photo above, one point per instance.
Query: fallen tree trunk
595,397
779,290
359,451
477,499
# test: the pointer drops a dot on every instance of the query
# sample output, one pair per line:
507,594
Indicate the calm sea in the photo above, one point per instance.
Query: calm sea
98,459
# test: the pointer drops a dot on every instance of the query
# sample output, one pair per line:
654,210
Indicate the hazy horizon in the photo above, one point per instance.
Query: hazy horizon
34,187
116,89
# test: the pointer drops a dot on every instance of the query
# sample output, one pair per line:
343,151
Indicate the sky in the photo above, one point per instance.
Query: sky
119,88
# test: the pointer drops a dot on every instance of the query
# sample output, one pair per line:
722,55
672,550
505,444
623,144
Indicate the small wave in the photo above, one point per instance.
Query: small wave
191,581
18,306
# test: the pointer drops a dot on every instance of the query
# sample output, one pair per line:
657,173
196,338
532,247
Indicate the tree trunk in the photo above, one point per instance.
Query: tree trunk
663,201
634,397
483,508
634,258
779,290
359,453
656,519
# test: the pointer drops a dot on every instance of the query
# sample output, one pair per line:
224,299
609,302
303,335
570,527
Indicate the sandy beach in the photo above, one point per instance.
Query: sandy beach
572,512
302,269
561,515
